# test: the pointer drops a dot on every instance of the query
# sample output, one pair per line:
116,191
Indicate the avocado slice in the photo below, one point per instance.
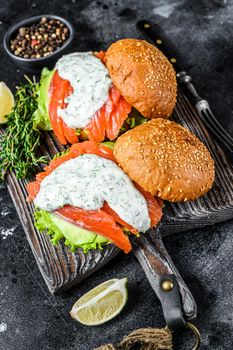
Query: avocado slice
74,236
41,119
108,144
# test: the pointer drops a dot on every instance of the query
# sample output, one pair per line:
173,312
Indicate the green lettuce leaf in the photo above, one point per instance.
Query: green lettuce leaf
134,119
109,144
40,116
73,236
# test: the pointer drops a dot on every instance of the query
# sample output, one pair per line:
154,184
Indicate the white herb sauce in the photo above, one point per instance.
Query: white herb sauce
90,81
89,180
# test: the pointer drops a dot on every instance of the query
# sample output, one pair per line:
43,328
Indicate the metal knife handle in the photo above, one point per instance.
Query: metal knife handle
157,264
154,34
186,81
204,111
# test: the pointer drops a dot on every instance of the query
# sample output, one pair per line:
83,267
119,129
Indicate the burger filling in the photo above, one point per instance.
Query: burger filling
90,81
84,194
87,182
78,101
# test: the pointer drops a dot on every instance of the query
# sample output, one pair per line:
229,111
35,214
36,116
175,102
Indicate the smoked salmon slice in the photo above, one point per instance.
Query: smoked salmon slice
117,218
56,100
154,206
59,89
117,118
70,133
98,221
101,56
107,122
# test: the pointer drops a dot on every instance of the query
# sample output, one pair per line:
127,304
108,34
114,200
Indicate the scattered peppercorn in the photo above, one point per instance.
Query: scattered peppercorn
40,39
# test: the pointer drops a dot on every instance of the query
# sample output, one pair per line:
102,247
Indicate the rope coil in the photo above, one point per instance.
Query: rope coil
151,339
146,338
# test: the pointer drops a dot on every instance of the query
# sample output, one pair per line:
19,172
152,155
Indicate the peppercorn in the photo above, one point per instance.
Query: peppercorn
43,20
39,39
22,31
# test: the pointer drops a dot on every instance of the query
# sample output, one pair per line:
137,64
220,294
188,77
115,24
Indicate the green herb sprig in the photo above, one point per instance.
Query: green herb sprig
19,142
60,154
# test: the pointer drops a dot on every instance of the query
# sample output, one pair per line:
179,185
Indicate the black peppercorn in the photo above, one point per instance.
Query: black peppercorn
39,39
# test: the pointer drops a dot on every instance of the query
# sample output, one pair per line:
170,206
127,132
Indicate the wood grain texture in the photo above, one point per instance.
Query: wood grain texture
62,269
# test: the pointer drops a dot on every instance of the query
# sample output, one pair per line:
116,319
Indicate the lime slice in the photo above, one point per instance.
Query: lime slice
101,303
6,102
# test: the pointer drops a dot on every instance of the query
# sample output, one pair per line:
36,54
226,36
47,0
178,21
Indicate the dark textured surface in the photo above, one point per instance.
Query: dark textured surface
203,32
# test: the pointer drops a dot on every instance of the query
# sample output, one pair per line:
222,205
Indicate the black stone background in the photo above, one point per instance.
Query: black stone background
202,31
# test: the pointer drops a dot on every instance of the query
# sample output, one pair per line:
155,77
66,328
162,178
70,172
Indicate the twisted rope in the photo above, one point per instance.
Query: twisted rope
145,338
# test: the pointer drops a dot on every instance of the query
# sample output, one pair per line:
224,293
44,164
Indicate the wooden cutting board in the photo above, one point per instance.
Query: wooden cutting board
62,269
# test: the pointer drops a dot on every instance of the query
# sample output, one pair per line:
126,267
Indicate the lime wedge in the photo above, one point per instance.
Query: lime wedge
101,303
6,102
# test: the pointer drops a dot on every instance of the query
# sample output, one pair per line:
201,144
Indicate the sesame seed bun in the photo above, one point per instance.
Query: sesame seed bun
144,76
166,159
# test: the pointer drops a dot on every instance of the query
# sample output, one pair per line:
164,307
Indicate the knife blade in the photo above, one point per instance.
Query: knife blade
156,36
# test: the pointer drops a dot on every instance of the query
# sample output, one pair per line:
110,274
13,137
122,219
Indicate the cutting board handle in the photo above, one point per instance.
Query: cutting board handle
158,266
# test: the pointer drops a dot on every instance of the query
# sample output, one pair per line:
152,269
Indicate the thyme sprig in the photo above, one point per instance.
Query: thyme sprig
19,143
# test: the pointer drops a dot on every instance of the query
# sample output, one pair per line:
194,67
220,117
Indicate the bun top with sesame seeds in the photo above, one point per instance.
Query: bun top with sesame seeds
166,160
144,76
